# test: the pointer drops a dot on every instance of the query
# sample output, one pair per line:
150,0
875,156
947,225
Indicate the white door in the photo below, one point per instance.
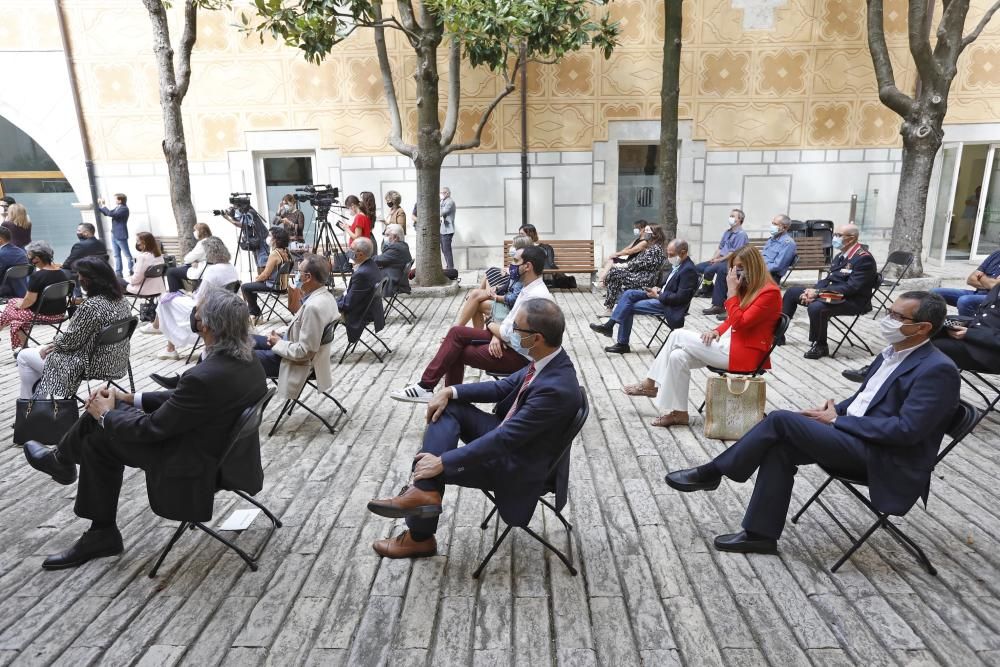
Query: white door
951,159
986,239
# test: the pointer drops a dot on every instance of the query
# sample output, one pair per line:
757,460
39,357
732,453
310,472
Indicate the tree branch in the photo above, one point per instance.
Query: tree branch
888,93
396,133
477,136
949,36
454,91
408,21
919,41
971,37
188,38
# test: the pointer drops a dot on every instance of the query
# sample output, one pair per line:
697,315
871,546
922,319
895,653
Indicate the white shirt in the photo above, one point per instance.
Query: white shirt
890,362
536,289
539,365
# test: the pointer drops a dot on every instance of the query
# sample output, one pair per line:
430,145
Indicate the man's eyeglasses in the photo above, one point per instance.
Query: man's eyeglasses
524,331
899,317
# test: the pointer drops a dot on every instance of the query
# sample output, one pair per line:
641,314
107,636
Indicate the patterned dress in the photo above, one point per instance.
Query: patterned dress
638,273
66,365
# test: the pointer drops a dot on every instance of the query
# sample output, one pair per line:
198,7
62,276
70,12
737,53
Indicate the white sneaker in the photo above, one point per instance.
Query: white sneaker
170,356
412,394
148,328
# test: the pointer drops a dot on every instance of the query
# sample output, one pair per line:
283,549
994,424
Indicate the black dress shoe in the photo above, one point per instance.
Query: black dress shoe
93,544
741,544
856,375
704,292
714,310
618,348
722,317
779,340
164,381
817,351
606,329
46,459
691,480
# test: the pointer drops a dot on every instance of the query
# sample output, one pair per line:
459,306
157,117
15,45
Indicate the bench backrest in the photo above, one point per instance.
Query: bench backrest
572,256
809,250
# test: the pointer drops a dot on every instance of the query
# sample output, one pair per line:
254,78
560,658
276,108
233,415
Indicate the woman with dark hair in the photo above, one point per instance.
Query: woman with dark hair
361,224
147,255
753,306
20,312
640,271
62,364
290,217
265,279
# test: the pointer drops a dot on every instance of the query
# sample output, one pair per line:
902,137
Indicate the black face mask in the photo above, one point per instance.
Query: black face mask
81,237
194,323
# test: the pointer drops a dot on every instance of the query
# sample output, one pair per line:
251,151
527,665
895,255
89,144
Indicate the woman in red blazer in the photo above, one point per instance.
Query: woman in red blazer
740,343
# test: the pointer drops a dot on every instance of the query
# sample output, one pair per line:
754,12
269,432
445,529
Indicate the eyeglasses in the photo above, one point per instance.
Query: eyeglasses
899,317
525,331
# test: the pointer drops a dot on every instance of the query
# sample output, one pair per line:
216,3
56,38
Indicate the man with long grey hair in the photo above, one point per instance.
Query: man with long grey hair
177,437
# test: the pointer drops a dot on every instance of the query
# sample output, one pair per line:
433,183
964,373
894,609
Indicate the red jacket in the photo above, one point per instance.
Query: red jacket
753,328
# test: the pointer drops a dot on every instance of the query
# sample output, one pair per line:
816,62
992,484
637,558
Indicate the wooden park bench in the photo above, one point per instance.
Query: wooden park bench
809,255
571,256
171,245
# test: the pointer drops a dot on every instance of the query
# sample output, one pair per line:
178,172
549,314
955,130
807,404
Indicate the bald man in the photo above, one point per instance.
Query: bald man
852,279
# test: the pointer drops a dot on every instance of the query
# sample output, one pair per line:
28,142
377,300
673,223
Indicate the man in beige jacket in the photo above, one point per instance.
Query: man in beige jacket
290,357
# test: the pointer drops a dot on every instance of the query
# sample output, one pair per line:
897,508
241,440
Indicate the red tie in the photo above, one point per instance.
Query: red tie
524,385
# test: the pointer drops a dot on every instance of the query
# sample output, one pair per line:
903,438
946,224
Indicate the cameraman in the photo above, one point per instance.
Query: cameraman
290,217
253,232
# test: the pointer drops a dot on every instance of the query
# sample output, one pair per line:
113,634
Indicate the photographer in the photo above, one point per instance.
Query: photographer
361,225
253,232
290,217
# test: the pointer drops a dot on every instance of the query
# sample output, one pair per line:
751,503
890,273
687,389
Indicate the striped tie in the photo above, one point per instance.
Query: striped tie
524,385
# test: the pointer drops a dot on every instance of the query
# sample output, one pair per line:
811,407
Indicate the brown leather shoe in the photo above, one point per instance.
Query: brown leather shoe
404,546
673,418
411,501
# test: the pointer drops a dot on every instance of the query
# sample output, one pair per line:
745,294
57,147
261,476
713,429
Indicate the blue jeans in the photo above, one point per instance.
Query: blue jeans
629,303
967,300
716,274
121,246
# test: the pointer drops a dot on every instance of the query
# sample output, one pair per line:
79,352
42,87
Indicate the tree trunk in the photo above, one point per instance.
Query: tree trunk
427,160
669,96
174,146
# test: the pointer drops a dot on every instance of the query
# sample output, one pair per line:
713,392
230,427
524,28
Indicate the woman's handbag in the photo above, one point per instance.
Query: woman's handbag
44,419
733,405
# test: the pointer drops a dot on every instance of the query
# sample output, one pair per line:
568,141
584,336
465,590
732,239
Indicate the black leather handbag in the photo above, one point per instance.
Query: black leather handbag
44,419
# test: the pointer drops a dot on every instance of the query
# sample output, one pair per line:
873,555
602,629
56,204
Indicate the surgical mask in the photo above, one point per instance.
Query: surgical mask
298,281
775,230
195,235
891,330
732,221
838,242
647,236
674,261
518,346
351,256
739,274
635,232
512,252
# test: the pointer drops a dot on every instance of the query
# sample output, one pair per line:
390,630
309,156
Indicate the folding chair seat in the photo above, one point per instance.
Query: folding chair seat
272,295
60,293
286,409
152,274
111,335
245,426
553,486
233,287
886,286
779,332
965,420
395,303
847,334
352,345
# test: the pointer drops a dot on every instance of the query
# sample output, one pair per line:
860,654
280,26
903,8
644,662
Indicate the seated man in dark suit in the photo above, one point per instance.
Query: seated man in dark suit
11,255
87,245
508,451
393,260
887,433
177,437
852,280
670,301
354,303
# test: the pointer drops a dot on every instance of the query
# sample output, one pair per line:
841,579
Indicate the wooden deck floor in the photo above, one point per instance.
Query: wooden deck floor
651,589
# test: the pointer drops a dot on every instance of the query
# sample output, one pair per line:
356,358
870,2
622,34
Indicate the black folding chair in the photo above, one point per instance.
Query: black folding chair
991,403
551,486
57,293
779,332
245,426
655,338
272,295
965,419
286,409
394,303
900,258
233,287
153,273
847,334
111,335
14,273
352,345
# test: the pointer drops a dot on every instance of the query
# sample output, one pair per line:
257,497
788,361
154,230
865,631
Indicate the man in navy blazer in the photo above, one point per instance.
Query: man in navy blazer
888,433
11,255
508,451
671,301
354,304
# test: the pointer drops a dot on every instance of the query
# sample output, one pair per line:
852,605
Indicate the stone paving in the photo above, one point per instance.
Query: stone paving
651,590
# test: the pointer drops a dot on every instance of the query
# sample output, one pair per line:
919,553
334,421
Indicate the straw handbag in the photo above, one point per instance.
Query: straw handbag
733,405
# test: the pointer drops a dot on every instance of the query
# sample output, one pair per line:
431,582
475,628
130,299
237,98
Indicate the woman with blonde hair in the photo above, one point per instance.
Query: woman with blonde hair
19,225
753,306
395,214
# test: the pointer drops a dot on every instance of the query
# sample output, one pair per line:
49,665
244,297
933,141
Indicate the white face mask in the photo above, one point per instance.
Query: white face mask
732,221
775,230
891,330
674,261
635,232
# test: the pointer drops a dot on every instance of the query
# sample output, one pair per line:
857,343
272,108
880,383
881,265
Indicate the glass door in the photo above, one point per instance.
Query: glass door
638,189
282,174
951,158
987,235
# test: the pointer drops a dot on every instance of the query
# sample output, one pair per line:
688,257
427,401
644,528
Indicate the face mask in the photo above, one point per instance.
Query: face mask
513,252
635,232
838,243
674,261
775,230
81,237
647,236
298,281
514,271
138,248
517,344
739,274
195,235
732,221
352,256
891,330
194,322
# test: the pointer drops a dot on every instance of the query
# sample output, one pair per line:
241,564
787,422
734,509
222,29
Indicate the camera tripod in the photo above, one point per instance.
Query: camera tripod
247,220
325,240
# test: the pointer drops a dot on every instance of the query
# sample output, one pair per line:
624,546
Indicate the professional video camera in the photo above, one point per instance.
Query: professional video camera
320,196
238,200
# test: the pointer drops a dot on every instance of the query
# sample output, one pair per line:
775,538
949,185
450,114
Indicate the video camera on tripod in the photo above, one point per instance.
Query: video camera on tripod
321,197
238,201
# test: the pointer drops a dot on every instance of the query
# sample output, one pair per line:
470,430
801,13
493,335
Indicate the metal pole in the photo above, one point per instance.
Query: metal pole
524,133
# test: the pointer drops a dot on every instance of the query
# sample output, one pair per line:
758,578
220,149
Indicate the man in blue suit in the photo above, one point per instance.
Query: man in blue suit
671,301
508,451
119,230
354,304
11,255
889,432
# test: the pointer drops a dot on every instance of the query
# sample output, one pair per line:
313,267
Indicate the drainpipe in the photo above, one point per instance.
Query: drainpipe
524,133
84,136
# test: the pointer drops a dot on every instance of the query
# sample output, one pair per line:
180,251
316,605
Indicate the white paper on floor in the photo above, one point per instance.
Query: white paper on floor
240,519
